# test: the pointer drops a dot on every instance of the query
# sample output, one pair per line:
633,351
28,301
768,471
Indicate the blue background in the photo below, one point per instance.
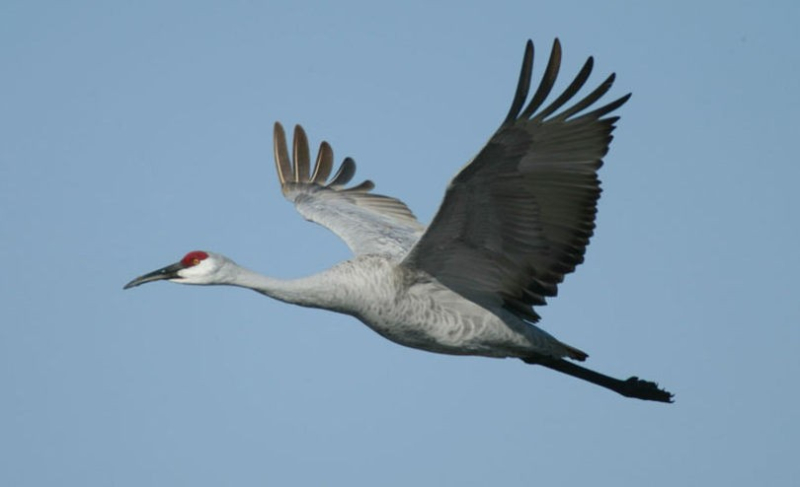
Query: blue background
133,132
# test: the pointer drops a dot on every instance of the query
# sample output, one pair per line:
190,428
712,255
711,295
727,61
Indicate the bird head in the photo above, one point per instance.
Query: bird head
196,267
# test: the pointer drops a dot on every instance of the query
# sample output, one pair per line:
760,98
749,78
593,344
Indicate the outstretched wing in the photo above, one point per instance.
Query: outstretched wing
368,223
519,216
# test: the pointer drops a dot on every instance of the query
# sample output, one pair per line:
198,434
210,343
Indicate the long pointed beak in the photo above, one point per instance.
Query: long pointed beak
169,272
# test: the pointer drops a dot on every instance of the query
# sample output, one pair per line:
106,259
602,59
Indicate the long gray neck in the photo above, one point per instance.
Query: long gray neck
315,291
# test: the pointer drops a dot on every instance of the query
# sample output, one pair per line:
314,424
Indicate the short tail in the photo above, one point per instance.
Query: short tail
575,353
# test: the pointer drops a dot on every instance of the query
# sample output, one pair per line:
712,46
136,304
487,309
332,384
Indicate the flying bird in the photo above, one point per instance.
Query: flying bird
513,222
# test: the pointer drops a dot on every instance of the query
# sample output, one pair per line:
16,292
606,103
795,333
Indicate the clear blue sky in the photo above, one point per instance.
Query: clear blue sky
134,132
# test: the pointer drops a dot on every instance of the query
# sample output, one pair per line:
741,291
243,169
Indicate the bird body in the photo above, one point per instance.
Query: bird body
404,305
514,221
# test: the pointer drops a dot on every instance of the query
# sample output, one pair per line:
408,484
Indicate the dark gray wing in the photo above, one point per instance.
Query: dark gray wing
519,216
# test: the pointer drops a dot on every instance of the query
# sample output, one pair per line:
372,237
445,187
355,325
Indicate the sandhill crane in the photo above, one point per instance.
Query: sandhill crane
514,221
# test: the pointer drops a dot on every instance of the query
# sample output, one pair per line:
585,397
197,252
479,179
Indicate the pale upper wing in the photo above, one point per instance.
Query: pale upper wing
368,223
519,216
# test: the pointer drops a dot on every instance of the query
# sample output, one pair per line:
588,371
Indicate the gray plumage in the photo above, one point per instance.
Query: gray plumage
514,221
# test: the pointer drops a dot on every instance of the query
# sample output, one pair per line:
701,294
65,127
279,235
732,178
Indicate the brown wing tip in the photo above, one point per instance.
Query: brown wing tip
281,151
300,155
324,164
296,169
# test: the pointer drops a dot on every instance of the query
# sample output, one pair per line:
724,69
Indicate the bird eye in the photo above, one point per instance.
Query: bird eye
193,258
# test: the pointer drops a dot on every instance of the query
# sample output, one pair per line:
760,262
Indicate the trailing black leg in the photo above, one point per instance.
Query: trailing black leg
633,387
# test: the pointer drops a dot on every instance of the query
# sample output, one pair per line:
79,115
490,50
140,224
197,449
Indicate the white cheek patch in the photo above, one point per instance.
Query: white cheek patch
198,274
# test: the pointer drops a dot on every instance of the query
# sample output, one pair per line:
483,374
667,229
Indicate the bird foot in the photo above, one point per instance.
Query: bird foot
646,390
